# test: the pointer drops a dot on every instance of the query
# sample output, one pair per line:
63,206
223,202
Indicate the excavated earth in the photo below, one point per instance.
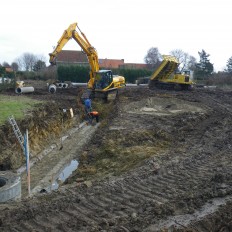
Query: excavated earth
158,161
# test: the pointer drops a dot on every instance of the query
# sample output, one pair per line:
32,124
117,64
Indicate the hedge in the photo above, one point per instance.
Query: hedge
80,74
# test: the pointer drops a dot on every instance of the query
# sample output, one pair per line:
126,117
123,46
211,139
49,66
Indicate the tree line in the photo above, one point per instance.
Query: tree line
203,70
27,62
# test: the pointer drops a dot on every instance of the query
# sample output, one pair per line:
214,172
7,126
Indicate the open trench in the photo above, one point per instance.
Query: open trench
50,127
56,163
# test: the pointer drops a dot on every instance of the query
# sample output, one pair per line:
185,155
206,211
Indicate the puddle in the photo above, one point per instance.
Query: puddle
63,175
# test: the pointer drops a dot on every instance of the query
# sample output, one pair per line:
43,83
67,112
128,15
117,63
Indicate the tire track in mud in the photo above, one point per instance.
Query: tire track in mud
139,199
98,209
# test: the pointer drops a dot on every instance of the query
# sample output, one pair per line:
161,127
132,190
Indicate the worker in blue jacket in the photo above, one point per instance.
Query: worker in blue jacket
88,105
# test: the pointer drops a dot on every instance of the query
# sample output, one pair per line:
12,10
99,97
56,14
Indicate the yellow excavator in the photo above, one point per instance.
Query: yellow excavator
166,76
100,81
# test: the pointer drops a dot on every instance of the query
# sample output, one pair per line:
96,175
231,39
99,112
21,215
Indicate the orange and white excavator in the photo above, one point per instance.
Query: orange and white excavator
100,81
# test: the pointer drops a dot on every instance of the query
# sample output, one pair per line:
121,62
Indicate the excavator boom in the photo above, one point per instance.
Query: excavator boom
67,35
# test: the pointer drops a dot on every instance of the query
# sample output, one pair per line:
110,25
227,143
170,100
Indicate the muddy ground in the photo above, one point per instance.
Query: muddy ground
158,161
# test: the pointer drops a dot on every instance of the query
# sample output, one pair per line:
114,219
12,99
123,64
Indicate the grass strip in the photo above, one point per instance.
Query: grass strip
16,106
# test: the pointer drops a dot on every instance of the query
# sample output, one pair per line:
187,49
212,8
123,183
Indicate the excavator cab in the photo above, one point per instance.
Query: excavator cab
103,79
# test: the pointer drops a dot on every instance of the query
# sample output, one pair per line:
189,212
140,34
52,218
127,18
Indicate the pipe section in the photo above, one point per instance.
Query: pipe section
65,85
52,88
74,84
24,90
62,85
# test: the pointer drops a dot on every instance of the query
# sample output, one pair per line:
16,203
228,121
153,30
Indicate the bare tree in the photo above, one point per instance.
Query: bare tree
186,61
192,63
18,61
15,66
41,58
40,63
5,64
153,58
27,61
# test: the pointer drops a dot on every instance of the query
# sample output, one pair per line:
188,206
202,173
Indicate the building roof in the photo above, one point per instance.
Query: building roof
8,69
134,65
78,57
110,63
70,56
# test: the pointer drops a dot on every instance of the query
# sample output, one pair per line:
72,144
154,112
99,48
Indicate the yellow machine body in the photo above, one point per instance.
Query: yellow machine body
166,76
99,80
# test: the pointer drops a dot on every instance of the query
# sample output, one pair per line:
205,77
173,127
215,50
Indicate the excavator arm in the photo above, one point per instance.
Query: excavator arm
67,35
100,81
84,44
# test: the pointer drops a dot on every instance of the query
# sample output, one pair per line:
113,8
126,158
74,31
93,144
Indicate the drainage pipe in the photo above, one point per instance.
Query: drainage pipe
62,85
59,85
74,84
65,85
24,90
52,88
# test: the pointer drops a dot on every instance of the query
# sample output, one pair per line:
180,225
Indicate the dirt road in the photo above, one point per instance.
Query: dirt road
161,161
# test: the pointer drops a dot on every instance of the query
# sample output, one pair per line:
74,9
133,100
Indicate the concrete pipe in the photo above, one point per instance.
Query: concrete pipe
60,85
10,187
52,88
24,90
74,84
65,85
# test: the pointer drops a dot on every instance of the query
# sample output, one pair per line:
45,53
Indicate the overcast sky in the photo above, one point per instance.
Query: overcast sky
118,29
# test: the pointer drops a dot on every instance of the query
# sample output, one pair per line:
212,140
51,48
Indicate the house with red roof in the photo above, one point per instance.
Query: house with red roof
78,57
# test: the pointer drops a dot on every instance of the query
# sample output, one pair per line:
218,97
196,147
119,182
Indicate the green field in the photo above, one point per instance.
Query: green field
16,106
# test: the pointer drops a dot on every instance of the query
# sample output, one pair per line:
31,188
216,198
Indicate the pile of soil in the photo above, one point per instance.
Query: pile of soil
159,161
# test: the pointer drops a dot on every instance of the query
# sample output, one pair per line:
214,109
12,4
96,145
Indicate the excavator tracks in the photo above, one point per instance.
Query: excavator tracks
154,84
